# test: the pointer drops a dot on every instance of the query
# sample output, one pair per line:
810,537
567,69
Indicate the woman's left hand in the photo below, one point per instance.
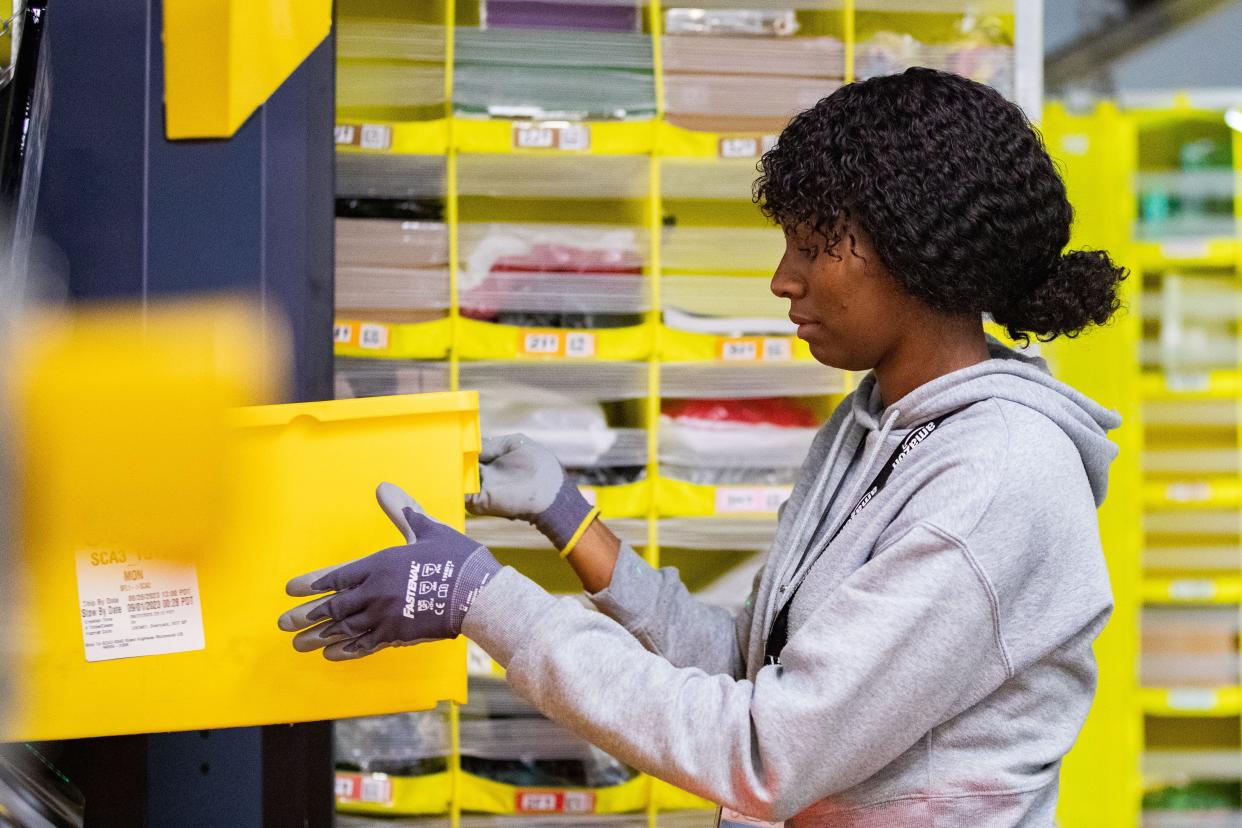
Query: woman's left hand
402,595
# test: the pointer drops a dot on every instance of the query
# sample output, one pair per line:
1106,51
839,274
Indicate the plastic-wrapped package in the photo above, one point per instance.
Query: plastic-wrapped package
577,432
728,325
384,377
359,38
1189,647
980,55
504,739
590,177
546,73
751,22
384,265
558,14
710,380
716,442
365,85
367,175
719,250
405,744
1192,461
540,274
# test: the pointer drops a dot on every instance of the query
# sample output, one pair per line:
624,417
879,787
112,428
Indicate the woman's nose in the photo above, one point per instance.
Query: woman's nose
785,285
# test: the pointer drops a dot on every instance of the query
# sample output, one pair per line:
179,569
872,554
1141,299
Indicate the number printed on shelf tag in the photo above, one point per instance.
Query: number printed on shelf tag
373,337
579,344
1192,699
541,343
554,802
343,333
1192,589
552,136
744,146
732,500
777,350
568,344
740,350
366,136
753,349
348,786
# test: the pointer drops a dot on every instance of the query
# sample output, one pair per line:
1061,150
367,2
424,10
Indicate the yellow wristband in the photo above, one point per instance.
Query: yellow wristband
577,536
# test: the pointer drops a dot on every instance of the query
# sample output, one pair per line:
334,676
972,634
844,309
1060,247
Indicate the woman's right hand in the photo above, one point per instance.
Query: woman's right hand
522,480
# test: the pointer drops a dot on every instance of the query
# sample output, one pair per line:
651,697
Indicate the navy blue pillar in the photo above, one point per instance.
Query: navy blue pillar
140,217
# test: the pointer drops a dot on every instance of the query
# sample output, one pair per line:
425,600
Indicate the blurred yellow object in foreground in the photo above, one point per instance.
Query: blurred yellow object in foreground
160,523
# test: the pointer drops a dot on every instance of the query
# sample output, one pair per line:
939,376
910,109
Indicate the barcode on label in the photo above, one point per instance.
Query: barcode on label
342,333
569,137
750,499
1192,589
1188,492
373,337
1192,699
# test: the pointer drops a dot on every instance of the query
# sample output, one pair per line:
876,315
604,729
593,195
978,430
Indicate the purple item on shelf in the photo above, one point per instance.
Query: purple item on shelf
534,14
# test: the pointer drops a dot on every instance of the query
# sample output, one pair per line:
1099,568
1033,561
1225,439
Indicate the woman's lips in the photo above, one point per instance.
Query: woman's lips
805,325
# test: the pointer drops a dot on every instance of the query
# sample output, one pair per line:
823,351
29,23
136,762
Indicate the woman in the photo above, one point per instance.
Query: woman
917,649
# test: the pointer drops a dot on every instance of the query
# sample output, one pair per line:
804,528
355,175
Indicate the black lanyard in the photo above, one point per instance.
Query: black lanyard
780,627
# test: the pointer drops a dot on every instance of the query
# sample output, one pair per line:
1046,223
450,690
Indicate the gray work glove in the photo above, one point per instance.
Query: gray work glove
522,480
408,594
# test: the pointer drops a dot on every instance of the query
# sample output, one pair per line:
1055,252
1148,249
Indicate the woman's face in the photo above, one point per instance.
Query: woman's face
847,306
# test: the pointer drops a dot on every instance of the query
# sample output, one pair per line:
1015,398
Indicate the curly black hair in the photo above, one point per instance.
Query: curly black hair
956,192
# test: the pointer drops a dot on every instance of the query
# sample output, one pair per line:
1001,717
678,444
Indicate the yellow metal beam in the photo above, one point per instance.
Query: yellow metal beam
224,58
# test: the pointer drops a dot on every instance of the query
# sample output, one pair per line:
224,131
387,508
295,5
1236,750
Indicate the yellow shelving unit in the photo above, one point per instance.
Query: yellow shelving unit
1172,527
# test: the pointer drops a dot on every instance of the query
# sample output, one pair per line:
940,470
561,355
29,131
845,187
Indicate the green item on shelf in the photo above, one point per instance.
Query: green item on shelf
1196,796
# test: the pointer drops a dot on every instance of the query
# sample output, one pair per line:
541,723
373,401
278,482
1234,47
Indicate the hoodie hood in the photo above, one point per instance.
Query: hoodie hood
1010,376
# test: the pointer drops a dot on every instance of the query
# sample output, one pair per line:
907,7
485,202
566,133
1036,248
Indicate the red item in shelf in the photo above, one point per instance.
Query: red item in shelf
785,412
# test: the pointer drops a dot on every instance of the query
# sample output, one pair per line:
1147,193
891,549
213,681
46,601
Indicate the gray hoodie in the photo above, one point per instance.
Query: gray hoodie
939,658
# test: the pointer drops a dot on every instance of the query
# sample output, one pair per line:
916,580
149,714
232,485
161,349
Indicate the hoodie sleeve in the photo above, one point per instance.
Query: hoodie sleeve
907,642
656,608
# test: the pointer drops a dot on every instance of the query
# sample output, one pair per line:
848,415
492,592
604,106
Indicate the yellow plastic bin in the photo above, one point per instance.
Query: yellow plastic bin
298,495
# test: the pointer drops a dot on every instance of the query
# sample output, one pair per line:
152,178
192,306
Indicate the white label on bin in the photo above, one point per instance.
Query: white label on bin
739,350
342,333
1192,589
539,343
739,147
1192,699
1188,382
374,337
376,789
1185,249
1192,492
579,344
750,499
136,604
777,350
